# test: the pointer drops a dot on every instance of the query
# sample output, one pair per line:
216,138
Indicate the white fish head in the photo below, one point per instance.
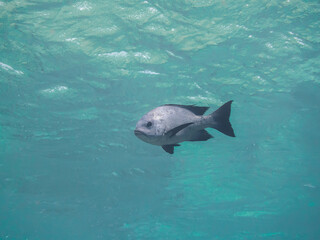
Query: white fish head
151,128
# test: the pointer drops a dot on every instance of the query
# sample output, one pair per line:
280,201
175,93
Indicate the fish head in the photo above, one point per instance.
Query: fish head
150,128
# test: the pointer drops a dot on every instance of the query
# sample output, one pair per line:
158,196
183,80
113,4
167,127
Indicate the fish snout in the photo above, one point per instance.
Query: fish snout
138,132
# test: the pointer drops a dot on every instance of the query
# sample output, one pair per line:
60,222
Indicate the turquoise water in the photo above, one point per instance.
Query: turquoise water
76,76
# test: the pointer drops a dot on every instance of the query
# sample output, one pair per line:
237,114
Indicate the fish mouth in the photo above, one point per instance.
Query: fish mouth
138,132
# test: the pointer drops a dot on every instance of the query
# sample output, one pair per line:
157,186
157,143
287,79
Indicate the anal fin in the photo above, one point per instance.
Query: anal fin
170,148
201,135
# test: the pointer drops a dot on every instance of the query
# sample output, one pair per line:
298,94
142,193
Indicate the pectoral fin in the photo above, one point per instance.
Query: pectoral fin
175,130
170,148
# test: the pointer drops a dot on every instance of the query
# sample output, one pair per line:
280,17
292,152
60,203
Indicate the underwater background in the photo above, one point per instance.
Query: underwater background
76,76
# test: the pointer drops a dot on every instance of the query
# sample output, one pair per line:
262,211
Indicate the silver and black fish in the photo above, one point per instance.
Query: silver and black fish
171,124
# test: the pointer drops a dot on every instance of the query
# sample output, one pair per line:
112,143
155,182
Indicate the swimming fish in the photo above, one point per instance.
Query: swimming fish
171,124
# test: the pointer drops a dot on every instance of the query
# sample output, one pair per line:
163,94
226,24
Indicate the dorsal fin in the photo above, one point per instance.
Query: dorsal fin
192,108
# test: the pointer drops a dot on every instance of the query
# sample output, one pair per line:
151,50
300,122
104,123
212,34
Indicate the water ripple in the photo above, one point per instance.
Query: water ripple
10,69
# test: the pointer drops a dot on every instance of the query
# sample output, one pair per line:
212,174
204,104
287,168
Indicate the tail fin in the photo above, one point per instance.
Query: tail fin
220,119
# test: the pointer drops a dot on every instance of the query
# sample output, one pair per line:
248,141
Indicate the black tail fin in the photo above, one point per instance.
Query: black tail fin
220,119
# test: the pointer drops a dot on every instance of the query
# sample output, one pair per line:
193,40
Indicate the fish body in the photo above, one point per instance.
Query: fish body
171,124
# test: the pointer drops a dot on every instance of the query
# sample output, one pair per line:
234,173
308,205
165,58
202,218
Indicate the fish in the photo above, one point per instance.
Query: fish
171,124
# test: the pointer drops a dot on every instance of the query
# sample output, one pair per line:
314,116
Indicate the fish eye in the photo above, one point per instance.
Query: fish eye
149,124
